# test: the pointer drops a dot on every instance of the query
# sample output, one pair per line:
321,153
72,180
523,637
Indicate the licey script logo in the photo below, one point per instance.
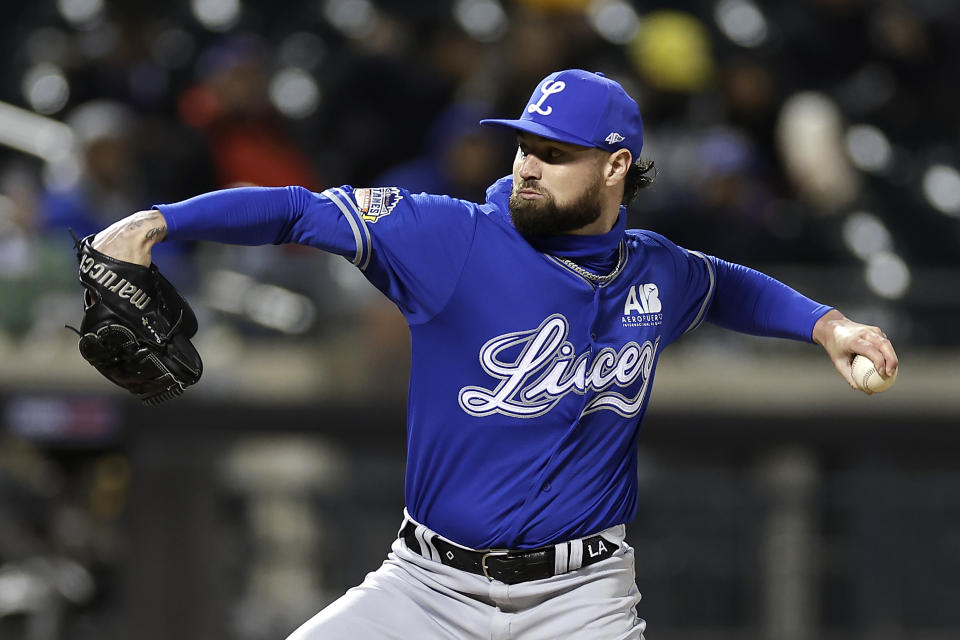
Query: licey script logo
547,368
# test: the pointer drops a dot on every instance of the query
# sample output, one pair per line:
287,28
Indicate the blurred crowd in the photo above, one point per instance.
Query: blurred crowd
815,138
819,133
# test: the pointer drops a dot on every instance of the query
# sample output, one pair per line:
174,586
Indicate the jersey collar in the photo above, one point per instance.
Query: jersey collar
584,248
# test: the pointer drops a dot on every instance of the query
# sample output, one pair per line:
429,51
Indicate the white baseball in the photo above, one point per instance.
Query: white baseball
867,377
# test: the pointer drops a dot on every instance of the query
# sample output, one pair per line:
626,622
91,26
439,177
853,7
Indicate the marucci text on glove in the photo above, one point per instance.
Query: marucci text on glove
104,276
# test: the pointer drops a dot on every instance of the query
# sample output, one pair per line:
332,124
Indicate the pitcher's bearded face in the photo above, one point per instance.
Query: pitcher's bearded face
536,212
558,187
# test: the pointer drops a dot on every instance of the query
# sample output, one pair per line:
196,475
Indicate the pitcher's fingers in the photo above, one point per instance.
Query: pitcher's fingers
890,355
865,347
885,347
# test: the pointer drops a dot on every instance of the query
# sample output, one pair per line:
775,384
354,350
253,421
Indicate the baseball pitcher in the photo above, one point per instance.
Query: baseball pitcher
537,320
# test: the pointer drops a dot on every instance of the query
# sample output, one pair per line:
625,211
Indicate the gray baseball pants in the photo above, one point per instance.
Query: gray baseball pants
411,597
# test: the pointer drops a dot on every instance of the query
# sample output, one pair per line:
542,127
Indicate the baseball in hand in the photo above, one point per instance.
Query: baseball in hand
867,378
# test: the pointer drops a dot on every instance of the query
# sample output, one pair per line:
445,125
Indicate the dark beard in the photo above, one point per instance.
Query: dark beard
545,217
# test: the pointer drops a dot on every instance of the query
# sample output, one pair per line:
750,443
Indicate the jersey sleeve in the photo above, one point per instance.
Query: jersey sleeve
694,287
411,247
686,282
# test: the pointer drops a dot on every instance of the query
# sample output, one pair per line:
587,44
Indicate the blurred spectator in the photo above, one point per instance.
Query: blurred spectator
380,106
540,39
248,142
32,268
753,112
104,183
107,185
459,158
748,89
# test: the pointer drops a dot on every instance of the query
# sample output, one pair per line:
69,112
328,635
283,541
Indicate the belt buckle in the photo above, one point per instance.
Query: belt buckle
483,560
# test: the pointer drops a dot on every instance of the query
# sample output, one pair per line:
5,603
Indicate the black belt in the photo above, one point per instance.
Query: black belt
508,566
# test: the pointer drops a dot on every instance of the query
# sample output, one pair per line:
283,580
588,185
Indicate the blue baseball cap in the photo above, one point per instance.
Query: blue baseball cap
584,108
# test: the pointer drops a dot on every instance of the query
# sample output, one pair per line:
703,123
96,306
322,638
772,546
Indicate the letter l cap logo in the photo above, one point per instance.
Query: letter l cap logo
548,89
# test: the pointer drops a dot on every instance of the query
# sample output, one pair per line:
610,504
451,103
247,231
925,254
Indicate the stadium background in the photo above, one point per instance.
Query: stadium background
816,140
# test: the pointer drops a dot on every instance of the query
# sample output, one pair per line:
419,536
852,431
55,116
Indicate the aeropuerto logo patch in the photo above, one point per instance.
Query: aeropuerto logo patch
376,203
643,307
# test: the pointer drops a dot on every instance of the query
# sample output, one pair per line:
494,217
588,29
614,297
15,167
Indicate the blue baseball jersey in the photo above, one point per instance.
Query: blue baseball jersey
529,380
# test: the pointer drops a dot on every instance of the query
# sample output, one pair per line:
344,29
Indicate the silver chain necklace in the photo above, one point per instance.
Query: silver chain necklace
592,277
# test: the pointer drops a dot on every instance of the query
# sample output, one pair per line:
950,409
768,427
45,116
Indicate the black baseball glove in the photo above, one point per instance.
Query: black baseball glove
136,327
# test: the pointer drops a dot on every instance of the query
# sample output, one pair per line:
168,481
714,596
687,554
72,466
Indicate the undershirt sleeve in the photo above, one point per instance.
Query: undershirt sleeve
752,302
260,215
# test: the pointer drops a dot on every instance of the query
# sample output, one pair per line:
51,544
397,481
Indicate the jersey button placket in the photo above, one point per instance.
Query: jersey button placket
596,315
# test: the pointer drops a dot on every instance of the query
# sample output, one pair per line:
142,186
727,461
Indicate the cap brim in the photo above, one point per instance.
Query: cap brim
538,129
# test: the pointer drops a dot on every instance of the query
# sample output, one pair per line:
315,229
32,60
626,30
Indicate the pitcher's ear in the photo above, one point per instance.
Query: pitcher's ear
618,164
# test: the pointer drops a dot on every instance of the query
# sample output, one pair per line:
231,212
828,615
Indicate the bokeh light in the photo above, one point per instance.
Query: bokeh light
216,15
81,13
615,20
742,22
294,92
484,20
45,87
355,18
941,187
865,234
868,148
887,275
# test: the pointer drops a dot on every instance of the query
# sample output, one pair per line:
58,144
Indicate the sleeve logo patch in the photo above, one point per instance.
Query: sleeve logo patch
376,203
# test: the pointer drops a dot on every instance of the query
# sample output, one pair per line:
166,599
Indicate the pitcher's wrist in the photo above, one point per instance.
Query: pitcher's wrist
824,326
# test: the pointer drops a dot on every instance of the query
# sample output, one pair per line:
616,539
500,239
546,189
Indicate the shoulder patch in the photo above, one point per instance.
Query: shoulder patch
376,203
